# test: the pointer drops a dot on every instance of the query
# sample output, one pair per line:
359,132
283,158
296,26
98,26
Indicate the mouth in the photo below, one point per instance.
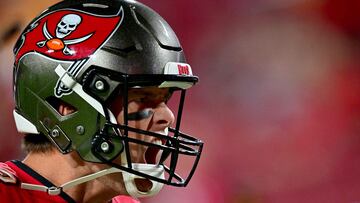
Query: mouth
152,153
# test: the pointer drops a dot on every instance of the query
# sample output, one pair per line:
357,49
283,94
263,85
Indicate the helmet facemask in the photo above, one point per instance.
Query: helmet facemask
163,150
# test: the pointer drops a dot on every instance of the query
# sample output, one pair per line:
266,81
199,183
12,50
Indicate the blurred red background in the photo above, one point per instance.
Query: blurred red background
278,103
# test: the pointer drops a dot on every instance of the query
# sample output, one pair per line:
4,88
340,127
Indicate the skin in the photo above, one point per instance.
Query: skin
109,186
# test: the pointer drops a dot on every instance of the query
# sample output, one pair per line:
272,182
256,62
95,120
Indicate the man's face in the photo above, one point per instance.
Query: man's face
147,110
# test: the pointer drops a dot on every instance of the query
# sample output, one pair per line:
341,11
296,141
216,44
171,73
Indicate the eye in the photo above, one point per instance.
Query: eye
62,24
141,99
71,26
151,97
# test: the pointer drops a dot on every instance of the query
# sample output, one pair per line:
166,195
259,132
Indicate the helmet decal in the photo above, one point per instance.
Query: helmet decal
65,27
68,35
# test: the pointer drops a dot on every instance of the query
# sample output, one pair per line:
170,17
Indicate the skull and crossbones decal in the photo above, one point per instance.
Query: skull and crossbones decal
64,28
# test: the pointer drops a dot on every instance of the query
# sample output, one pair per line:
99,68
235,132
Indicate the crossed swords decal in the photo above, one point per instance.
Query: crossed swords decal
58,43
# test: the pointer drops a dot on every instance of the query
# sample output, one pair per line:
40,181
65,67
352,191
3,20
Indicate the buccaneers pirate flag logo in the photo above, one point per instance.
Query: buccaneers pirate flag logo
68,35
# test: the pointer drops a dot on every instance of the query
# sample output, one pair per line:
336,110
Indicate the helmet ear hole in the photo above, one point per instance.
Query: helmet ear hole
60,106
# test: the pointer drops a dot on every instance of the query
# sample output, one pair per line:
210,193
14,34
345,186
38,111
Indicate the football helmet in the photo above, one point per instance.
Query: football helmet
87,53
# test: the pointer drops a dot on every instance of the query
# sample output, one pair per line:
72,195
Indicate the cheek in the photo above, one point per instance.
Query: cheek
132,107
139,124
143,124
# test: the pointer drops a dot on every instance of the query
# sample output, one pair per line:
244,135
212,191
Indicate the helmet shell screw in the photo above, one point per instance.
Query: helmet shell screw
99,85
55,133
105,147
80,130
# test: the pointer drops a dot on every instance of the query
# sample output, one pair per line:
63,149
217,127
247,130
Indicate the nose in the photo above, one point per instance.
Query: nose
163,116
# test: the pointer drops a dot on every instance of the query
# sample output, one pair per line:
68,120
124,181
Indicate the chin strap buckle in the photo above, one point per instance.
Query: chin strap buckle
54,190
42,188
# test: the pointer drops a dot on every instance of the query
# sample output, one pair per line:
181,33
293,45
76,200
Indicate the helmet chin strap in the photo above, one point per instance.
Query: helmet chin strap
150,169
57,190
129,180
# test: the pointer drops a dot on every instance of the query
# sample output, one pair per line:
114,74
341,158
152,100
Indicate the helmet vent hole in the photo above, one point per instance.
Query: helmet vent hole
95,5
60,106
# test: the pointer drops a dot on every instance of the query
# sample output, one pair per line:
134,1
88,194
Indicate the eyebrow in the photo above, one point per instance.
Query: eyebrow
148,92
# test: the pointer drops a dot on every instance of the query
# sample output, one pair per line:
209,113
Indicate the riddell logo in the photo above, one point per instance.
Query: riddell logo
183,70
